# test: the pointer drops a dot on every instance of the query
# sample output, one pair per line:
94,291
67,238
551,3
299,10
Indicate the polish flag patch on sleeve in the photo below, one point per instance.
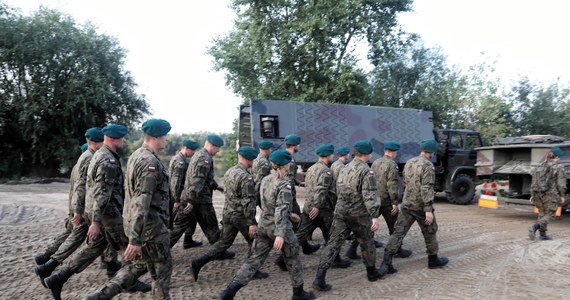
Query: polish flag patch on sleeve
151,169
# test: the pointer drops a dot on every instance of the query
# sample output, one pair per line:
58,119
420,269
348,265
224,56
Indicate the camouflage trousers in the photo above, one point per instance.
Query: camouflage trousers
156,259
261,247
323,221
546,204
113,235
183,224
407,218
341,227
386,212
230,229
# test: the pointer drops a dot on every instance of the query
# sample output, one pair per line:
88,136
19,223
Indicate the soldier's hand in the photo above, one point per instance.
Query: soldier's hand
295,218
220,189
278,244
175,207
76,220
531,200
561,201
429,217
132,252
252,231
395,210
188,209
94,231
375,224
314,213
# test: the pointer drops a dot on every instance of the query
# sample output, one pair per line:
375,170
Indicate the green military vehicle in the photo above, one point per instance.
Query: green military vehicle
343,124
510,161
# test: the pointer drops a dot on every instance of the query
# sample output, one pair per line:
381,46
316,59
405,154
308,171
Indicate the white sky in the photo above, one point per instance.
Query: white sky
167,41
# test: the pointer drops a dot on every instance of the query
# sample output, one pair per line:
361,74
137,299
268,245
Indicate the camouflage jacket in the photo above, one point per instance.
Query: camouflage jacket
336,167
319,182
356,191
276,201
386,170
177,174
419,178
239,189
78,181
105,186
147,197
261,167
292,174
199,185
559,185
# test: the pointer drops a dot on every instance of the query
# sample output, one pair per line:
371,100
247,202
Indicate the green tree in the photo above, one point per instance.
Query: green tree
57,79
303,50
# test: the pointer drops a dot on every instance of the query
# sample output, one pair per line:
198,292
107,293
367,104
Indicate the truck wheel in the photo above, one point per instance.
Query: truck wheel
462,190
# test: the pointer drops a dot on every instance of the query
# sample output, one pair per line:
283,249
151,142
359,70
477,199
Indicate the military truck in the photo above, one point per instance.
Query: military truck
343,124
510,161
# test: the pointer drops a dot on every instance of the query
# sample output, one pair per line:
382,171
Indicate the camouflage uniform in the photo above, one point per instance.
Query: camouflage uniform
147,216
336,166
177,174
239,209
357,204
386,170
292,177
198,190
547,201
103,204
67,242
276,200
319,182
260,168
419,178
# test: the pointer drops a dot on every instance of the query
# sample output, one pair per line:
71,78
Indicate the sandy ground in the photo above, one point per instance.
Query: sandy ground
490,255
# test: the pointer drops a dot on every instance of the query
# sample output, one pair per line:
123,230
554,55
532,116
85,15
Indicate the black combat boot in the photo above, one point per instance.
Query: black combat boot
351,252
189,242
100,295
544,237
403,253
308,248
319,282
55,282
42,258
437,262
260,275
280,262
374,274
532,231
230,292
340,263
387,267
198,263
378,244
225,255
45,270
112,268
300,294
139,286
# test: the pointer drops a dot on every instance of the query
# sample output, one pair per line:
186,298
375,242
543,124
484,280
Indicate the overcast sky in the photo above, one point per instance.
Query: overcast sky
167,41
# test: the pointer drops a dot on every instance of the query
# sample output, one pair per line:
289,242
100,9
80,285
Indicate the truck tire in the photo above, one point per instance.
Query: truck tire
462,190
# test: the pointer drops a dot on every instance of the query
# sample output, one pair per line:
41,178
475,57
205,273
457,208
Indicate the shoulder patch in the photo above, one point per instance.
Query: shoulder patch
151,169
266,163
288,186
206,161
249,178
180,163
371,172
112,161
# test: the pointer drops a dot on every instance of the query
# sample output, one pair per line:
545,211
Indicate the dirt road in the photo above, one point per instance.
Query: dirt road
490,255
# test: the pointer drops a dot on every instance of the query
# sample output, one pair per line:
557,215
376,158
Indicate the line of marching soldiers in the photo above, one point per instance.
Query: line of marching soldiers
144,213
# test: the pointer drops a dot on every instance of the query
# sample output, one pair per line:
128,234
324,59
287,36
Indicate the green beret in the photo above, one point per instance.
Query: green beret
84,147
280,157
265,144
115,131
293,140
429,146
156,127
557,151
324,150
363,147
94,134
192,145
215,140
392,145
342,150
248,152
